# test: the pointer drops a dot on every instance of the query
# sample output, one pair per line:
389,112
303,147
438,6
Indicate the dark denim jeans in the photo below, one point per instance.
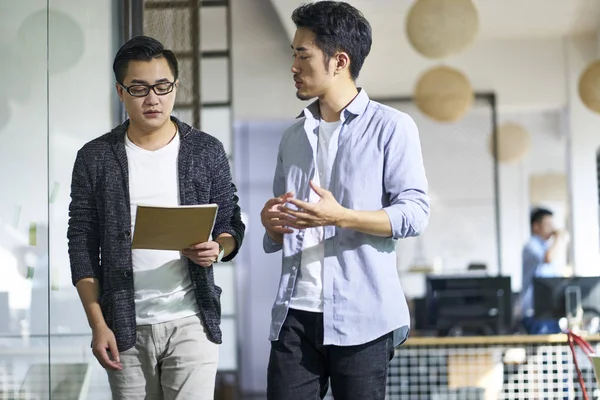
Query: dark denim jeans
300,366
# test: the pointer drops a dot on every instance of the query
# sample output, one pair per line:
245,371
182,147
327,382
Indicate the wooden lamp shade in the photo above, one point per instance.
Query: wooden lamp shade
550,186
589,86
444,94
513,143
439,28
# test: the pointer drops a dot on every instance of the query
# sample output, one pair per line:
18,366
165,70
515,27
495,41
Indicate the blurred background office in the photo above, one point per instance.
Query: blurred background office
506,94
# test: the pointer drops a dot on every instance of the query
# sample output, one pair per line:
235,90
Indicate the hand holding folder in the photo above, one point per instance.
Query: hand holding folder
173,228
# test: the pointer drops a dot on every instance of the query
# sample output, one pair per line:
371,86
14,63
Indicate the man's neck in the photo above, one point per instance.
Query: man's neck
152,140
332,103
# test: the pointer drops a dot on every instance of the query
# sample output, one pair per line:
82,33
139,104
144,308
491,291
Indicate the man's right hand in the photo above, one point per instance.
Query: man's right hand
270,217
103,341
558,234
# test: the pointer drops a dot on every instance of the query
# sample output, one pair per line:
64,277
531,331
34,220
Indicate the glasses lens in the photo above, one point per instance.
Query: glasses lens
138,90
163,88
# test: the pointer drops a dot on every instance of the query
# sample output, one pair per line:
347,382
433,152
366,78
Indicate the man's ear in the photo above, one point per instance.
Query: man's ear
342,62
120,91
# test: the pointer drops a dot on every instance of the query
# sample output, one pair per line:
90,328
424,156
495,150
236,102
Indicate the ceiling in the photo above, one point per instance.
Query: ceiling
499,19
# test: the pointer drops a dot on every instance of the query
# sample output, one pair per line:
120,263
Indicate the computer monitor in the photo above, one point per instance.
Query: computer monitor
459,305
550,294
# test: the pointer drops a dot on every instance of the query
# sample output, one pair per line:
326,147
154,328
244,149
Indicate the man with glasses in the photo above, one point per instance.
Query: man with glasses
154,314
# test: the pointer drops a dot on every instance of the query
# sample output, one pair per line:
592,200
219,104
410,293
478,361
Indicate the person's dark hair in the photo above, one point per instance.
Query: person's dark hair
337,27
142,48
538,214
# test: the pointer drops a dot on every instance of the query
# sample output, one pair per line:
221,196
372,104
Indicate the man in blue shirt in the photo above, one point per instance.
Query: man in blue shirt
349,181
538,256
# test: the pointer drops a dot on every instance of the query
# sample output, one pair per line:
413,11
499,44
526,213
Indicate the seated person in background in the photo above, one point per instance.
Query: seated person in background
539,257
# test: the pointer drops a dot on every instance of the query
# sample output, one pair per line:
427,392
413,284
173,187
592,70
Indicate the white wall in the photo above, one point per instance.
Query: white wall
585,141
262,84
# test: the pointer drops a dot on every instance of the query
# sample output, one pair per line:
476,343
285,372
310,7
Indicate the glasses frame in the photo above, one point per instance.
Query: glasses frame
148,88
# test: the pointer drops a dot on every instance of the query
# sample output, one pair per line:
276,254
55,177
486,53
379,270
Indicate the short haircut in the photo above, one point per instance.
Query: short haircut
142,48
538,214
337,27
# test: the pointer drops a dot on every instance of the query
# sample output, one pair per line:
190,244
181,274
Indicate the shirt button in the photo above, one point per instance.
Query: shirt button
126,274
294,268
286,302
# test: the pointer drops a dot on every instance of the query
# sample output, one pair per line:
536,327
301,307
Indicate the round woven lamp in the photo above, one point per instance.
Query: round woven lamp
513,143
444,94
439,28
589,86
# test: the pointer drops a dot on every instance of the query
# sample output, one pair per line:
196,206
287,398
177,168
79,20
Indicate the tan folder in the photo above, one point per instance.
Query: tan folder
173,228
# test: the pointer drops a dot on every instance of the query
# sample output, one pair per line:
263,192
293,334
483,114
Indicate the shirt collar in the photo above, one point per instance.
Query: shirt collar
539,240
356,107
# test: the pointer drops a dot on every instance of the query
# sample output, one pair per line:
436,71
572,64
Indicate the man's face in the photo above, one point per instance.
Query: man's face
311,77
544,228
152,111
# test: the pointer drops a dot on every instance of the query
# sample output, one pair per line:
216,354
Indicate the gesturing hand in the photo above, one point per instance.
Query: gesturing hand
271,215
327,211
204,254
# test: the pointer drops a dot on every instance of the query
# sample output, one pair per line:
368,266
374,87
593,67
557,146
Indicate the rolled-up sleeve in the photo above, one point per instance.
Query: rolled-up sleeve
223,193
269,245
83,229
405,180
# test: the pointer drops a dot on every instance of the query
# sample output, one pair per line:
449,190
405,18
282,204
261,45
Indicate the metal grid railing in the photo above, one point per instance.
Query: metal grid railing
485,372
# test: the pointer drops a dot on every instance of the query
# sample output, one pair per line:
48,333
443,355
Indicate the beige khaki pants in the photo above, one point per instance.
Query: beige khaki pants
171,361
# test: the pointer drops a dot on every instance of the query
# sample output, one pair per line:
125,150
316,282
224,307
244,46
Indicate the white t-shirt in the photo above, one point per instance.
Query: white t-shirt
308,291
163,289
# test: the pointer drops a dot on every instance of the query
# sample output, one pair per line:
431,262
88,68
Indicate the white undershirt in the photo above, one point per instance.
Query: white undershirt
163,289
308,291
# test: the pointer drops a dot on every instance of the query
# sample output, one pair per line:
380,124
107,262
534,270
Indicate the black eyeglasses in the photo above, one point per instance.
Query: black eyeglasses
160,89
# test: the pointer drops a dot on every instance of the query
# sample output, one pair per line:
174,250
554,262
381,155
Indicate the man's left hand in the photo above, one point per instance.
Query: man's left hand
204,254
323,213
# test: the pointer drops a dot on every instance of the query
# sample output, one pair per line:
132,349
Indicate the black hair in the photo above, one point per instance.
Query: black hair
538,214
142,48
337,27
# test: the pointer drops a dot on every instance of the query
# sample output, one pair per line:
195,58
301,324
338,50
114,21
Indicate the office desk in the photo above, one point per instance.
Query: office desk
488,368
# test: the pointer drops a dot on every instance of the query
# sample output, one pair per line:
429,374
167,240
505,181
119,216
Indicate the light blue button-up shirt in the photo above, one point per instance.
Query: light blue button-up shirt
377,165
534,266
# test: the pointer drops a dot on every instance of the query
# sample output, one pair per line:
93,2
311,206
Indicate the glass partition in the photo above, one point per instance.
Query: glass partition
57,56
80,102
24,282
